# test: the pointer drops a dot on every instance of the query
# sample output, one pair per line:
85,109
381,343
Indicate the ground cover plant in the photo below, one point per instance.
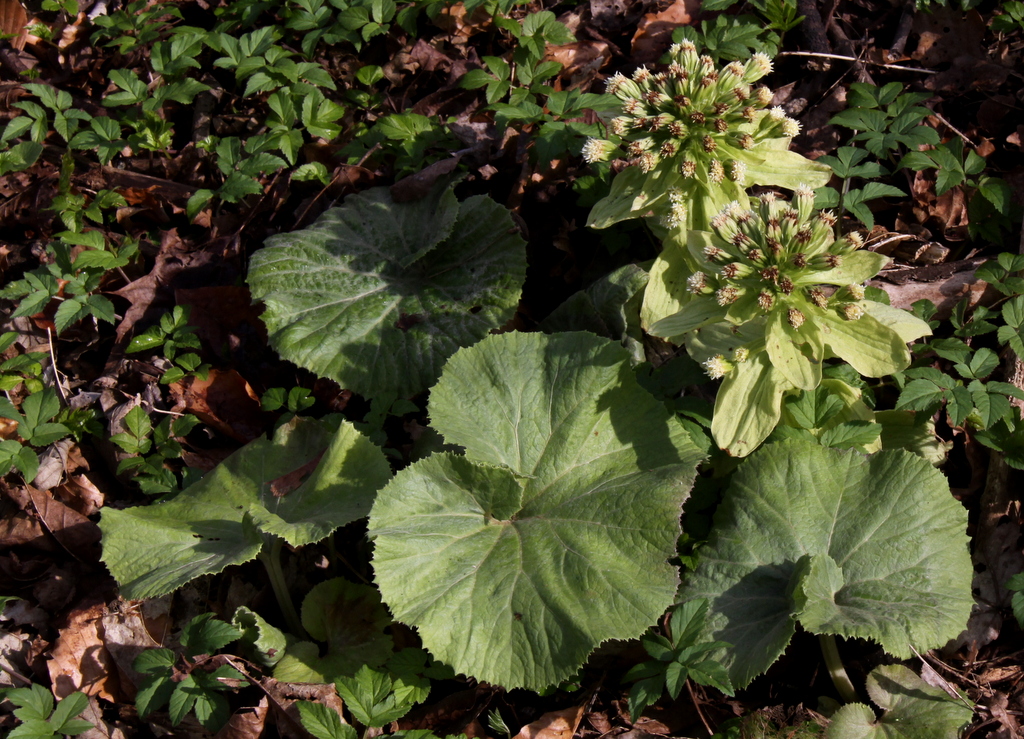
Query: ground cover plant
493,368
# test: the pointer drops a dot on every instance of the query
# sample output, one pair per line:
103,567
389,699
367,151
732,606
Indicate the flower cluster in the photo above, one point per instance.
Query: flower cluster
776,257
772,293
695,117
779,264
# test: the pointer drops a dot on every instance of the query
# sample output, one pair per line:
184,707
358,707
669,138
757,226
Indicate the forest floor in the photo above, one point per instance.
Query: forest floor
182,200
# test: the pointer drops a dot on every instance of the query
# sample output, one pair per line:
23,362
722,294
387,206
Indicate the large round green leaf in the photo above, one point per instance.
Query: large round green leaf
552,533
872,547
378,294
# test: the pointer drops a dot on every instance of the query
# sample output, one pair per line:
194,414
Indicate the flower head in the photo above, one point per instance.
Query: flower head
695,117
598,150
717,366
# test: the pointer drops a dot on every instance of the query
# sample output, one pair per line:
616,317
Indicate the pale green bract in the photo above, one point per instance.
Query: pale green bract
554,531
851,545
377,294
913,709
225,518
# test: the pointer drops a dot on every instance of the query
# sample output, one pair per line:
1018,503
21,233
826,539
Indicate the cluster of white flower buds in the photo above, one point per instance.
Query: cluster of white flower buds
694,116
775,257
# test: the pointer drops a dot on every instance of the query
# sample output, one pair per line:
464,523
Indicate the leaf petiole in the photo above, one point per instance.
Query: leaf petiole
836,671
270,556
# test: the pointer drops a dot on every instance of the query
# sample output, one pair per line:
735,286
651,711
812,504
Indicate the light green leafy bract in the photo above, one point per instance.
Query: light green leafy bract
913,710
552,533
377,294
852,545
300,486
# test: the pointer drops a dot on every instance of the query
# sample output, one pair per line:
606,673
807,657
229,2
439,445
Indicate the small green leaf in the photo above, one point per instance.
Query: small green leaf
183,699
205,634
67,709
157,684
351,619
981,365
368,696
323,722
912,709
35,702
851,435
267,642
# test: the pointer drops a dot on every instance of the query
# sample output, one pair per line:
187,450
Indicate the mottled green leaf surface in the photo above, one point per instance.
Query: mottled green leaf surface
301,486
378,294
570,488
852,545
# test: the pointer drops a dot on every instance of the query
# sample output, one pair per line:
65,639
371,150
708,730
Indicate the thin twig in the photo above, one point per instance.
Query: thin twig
57,374
950,688
15,674
855,59
696,705
955,130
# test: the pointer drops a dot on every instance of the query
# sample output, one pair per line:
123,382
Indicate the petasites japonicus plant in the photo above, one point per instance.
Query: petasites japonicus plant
777,272
695,135
872,547
516,559
377,294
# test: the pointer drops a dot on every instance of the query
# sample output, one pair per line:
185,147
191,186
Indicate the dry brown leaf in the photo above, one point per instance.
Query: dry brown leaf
654,32
13,658
291,480
459,25
153,293
968,73
283,696
946,33
1009,728
224,318
56,589
125,636
944,291
13,20
417,186
81,494
53,464
553,725
80,661
600,722
224,401
101,729
580,61
76,533
8,428
246,723
22,529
